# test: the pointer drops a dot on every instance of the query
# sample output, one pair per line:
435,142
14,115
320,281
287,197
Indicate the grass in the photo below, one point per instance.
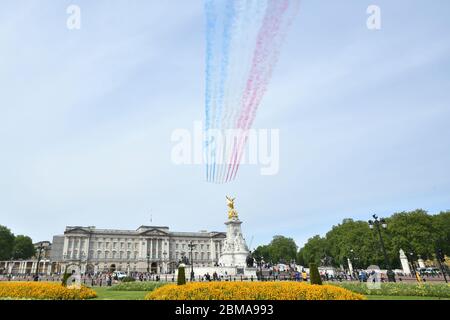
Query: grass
403,298
398,289
138,286
104,293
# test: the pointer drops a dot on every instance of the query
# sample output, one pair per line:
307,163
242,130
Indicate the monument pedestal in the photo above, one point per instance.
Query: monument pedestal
235,249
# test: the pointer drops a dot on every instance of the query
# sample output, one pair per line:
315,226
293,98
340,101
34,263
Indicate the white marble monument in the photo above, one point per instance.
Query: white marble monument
235,250
233,259
404,262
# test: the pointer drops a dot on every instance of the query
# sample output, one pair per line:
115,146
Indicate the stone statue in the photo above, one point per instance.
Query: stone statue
231,212
250,260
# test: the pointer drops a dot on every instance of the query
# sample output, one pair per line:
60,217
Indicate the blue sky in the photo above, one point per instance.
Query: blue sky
86,118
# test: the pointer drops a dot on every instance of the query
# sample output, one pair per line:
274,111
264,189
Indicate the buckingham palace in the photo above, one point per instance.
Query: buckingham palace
152,249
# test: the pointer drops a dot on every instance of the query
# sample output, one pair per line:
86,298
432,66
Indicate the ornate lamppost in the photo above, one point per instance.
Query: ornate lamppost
191,246
377,223
260,262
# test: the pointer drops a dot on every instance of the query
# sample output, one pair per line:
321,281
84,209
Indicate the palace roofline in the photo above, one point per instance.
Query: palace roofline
141,231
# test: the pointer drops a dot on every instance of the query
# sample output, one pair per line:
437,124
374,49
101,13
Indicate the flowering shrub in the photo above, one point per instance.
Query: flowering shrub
400,289
252,291
43,291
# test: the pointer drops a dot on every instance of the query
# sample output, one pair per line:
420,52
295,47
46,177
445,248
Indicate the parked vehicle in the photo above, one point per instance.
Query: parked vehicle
119,275
432,271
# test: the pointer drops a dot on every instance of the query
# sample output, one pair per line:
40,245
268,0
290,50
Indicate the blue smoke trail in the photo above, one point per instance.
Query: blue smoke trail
211,24
229,13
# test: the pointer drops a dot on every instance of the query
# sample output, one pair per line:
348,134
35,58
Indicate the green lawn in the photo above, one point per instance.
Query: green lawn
375,297
104,294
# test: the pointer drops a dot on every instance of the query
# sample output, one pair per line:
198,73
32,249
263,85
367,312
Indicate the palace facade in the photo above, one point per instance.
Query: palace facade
152,249
155,249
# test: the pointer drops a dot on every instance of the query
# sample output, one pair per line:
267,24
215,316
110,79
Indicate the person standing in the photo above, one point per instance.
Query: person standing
304,276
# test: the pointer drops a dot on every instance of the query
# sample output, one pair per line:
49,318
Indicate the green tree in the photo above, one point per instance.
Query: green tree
414,232
6,243
441,222
262,251
181,279
314,275
354,240
313,251
280,250
23,247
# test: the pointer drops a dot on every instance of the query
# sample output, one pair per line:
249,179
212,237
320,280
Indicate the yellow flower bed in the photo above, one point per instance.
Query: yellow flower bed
44,290
252,291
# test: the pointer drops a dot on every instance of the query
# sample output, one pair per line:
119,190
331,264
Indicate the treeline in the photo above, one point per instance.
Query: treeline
15,247
417,233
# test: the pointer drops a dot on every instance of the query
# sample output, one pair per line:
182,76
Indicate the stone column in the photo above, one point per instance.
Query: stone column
350,266
151,248
49,268
421,263
212,249
158,241
142,247
72,246
33,268
80,247
404,262
66,245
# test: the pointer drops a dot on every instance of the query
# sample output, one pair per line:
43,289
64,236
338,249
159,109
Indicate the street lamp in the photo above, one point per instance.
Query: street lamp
191,246
441,260
413,264
376,223
148,261
260,261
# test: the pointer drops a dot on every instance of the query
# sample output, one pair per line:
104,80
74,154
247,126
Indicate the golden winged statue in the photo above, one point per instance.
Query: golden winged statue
231,212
